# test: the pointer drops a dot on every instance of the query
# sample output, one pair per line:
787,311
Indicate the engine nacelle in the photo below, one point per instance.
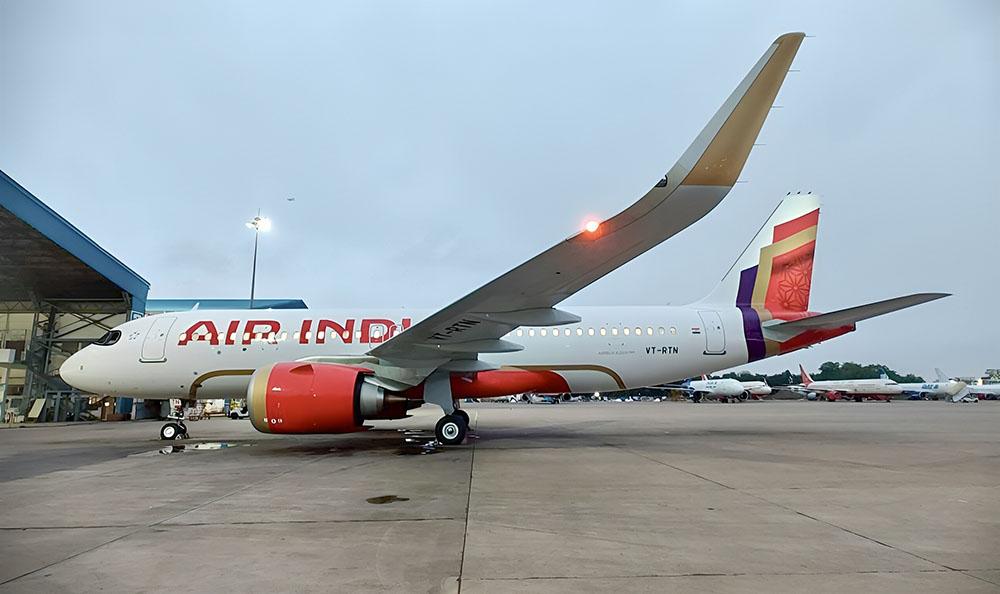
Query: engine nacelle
303,397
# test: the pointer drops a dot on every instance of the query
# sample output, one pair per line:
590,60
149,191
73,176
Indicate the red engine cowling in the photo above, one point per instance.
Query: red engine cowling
301,397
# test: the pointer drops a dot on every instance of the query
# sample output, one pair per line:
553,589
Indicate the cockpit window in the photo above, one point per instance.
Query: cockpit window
109,339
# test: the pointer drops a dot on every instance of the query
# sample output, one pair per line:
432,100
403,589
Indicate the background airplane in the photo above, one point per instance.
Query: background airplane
881,388
722,389
944,387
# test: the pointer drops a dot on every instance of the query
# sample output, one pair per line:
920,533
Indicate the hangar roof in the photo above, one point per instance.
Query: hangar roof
43,257
155,306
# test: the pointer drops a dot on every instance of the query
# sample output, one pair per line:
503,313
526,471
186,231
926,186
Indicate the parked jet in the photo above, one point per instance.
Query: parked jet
882,388
980,392
723,389
944,387
307,371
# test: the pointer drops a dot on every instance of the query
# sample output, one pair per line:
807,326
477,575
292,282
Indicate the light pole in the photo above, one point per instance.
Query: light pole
258,224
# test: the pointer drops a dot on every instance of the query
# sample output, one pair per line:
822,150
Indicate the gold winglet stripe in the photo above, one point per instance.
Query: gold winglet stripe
723,160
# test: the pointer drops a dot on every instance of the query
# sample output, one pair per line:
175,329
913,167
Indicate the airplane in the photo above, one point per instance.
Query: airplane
309,371
882,388
723,389
943,387
979,392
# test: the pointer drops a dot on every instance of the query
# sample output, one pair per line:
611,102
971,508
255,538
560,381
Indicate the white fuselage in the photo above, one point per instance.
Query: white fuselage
757,388
984,389
860,387
717,387
611,348
948,388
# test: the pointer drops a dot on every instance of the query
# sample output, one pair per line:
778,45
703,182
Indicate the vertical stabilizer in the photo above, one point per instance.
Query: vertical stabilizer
774,273
806,380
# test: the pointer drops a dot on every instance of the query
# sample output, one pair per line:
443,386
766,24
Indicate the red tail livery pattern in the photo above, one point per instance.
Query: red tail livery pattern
778,287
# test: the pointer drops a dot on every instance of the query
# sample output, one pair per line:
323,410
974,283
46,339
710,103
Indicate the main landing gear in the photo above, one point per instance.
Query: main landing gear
452,428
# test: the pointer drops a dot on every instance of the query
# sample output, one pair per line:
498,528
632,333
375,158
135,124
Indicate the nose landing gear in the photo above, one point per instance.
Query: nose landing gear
174,430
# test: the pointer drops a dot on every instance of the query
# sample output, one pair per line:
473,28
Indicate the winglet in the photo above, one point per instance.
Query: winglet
718,154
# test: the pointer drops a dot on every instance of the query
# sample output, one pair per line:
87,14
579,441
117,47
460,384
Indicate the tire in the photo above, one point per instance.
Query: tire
234,416
461,413
450,430
858,399
170,431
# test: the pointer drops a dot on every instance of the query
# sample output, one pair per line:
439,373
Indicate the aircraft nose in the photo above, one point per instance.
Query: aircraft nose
72,371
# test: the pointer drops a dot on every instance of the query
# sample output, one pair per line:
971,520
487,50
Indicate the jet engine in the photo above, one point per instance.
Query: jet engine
305,397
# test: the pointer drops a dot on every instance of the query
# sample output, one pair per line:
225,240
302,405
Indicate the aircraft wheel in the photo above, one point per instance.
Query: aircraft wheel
171,431
451,430
858,399
461,413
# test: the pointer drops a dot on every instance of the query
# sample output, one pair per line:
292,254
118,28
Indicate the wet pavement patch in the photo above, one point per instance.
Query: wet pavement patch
210,445
381,499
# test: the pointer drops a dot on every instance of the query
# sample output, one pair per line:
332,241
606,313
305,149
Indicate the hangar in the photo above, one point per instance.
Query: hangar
59,290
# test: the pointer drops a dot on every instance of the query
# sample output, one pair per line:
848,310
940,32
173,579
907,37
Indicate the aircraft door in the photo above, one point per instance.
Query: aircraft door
715,334
154,346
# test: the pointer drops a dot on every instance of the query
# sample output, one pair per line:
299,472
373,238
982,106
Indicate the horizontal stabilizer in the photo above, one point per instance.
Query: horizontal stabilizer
846,317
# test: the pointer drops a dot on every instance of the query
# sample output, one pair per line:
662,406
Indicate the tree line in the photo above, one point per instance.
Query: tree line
831,370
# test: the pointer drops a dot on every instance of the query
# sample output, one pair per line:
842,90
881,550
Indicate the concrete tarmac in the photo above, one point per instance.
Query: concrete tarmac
633,497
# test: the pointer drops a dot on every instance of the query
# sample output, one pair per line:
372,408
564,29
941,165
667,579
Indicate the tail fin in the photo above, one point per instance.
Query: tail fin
941,377
704,377
774,273
806,380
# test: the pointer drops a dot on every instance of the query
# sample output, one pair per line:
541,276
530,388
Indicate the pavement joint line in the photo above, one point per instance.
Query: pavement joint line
710,574
177,515
468,507
234,523
803,514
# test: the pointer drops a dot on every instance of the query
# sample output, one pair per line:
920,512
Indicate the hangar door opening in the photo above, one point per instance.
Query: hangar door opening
715,334
154,346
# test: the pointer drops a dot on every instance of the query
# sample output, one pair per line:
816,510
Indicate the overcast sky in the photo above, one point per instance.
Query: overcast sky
432,146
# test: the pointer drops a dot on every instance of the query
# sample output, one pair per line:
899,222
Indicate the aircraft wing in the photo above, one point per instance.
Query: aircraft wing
525,296
846,317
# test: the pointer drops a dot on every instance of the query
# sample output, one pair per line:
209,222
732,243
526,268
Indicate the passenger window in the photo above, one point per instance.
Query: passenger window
520,332
660,330
346,335
543,332
604,331
321,335
579,331
531,332
673,330
590,331
625,330
614,331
